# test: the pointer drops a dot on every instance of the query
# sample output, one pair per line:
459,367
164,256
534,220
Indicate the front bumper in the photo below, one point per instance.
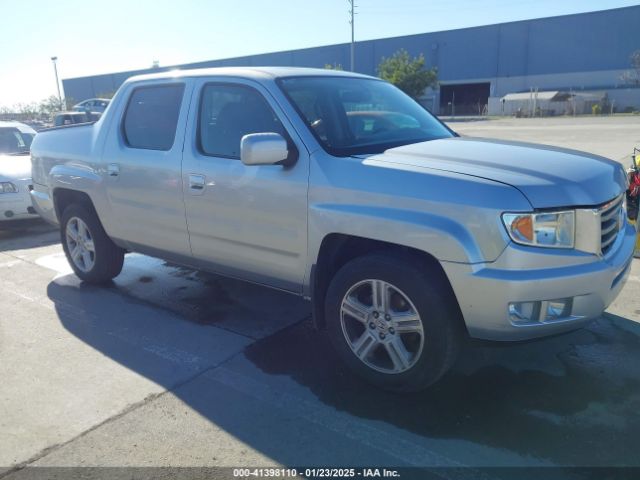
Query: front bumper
536,275
17,206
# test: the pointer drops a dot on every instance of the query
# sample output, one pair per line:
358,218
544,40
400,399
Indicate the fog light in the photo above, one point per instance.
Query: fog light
520,312
560,308
540,311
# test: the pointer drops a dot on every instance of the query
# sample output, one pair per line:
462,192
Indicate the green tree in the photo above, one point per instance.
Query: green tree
69,102
50,105
632,76
27,109
109,94
408,74
335,66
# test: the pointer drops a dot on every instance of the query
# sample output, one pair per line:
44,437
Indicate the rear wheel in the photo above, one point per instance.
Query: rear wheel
393,323
90,252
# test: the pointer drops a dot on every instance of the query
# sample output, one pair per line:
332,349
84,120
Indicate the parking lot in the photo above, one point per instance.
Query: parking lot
172,367
611,137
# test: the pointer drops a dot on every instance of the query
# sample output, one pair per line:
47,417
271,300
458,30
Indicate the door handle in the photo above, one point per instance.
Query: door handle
113,169
196,183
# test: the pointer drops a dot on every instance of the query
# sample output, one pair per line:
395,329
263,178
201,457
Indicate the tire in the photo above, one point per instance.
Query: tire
95,259
420,349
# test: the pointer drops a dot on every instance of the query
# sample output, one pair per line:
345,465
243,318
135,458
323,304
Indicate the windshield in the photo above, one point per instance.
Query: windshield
352,116
14,142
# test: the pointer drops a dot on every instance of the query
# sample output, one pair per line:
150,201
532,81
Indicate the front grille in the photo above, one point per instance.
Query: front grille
610,223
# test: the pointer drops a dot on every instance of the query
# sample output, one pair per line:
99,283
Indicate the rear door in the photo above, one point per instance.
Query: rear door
142,168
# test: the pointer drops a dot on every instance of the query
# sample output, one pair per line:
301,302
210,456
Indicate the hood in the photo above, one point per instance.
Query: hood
549,177
15,167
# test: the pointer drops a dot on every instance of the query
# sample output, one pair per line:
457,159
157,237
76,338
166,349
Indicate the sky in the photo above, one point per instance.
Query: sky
101,36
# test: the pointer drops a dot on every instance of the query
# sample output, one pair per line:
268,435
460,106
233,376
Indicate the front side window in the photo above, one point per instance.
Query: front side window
151,117
352,116
229,112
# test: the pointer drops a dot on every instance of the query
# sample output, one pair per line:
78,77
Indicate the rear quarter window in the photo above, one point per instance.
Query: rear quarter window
151,116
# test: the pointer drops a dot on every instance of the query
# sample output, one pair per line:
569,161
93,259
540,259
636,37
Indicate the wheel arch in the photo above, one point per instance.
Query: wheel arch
337,249
63,197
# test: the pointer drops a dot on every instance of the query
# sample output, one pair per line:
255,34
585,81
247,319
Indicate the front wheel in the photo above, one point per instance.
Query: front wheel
90,252
392,322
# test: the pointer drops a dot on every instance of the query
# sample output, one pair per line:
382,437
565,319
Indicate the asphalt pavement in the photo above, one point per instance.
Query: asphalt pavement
168,366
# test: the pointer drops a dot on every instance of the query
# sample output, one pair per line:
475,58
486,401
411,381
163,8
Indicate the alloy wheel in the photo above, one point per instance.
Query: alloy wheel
382,326
80,244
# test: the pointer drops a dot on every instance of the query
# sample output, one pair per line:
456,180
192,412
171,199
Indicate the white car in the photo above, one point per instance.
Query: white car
15,171
92,105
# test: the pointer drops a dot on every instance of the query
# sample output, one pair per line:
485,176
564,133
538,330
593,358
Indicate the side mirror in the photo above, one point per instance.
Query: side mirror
263,149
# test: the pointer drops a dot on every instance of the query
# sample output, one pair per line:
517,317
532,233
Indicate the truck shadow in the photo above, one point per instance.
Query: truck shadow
24,234
570,400
573,399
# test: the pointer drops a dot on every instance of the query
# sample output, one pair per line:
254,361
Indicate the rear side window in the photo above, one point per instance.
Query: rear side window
151,117
229,112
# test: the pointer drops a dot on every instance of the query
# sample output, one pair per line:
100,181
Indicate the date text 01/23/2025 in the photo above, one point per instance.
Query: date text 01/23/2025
316,473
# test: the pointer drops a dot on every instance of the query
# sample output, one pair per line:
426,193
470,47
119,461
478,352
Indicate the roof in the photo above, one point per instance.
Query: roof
20,126
256,73
70,112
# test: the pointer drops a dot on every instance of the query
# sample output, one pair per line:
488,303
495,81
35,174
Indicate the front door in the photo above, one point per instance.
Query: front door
245,221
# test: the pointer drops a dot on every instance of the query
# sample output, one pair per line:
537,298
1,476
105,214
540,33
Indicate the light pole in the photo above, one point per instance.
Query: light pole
55,70
352,13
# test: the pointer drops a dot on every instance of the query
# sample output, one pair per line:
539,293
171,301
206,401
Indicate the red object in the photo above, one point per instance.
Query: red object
634,184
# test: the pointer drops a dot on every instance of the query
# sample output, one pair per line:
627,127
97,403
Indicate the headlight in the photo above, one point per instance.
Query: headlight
7,187
545,229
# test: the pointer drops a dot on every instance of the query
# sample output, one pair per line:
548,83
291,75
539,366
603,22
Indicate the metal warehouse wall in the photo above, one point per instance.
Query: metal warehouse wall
588,42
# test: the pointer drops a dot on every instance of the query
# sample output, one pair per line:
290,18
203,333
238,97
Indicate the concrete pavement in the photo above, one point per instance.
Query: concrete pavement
172,367
96,376
611,137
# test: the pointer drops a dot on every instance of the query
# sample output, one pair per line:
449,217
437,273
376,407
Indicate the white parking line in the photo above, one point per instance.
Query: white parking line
56,262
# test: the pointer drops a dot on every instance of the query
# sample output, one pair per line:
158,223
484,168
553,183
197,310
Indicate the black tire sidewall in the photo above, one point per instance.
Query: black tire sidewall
108,257
432,298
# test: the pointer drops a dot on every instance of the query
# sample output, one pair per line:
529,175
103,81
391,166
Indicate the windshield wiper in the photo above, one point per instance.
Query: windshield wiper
14,154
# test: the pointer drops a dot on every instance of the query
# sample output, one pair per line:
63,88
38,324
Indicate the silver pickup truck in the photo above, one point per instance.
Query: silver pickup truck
338,187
